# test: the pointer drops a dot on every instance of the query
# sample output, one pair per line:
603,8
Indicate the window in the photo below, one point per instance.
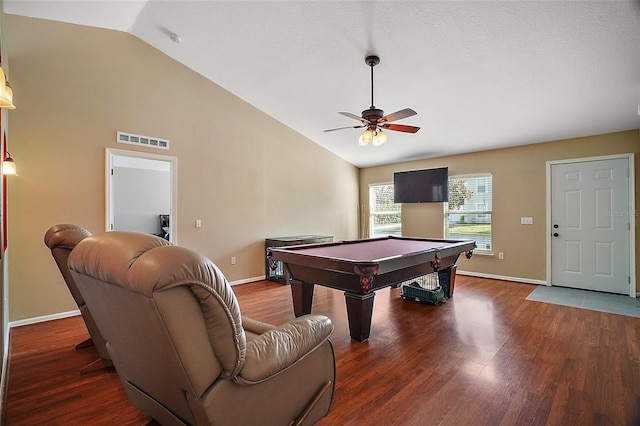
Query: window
384,214
468,212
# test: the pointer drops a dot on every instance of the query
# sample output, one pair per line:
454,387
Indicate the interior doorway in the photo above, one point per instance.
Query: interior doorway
590,218
141,193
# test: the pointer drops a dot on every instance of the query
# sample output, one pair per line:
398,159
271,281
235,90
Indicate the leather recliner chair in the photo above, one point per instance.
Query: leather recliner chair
181,347
61,239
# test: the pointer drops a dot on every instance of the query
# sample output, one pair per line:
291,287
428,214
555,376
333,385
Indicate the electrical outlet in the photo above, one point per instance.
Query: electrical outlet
526,221
198,223
233,260
501,256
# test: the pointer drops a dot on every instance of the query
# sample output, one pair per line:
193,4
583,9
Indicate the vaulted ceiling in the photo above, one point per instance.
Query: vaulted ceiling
480,74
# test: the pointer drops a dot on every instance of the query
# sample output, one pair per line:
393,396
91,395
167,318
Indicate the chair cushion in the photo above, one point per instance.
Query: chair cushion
279,348
146,264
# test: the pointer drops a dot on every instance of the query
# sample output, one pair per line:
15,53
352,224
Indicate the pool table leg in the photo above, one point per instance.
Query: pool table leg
302,295
359,311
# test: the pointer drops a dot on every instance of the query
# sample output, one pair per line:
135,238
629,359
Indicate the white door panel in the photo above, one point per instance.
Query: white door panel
590,225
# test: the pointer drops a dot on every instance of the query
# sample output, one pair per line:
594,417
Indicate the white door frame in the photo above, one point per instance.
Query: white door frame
110,155
632,215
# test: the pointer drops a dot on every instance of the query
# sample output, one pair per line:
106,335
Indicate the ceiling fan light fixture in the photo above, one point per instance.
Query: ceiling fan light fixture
374,119
367,137
379,138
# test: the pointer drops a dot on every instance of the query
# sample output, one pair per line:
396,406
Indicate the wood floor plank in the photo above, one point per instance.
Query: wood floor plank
486,357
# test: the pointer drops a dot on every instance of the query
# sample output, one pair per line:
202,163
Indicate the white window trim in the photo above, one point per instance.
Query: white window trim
445,223
371,213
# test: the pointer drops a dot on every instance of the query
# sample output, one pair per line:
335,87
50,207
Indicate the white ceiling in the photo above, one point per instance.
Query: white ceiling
480,74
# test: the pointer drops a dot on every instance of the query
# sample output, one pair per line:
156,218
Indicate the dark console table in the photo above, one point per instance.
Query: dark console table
273,269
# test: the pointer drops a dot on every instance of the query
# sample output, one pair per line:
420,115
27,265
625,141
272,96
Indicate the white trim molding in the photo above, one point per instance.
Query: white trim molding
110,157
60,315
248,280
44,318
502,278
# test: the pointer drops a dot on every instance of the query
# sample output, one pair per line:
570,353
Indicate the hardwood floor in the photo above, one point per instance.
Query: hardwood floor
486,357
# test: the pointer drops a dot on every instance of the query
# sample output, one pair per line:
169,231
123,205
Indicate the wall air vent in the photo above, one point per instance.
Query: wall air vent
140,140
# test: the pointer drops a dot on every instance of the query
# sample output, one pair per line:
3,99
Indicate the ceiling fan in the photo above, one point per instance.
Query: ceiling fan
375,120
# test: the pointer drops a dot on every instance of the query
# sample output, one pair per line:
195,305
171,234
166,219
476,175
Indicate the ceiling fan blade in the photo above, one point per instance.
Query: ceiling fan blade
400,128
341,128
355,117
398,115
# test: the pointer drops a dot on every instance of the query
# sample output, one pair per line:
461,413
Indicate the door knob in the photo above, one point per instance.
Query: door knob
555,234
555,225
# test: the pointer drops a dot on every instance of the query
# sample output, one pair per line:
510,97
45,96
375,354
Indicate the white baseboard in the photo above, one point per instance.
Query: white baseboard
61,315
44,318
501,277
247,280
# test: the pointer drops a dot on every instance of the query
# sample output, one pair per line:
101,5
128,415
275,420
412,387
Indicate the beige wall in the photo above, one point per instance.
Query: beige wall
519,189
245,175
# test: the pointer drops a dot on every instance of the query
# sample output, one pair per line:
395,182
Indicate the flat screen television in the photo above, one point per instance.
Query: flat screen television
421,186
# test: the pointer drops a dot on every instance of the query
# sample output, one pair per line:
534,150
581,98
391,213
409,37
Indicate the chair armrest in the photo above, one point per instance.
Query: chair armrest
256,327
277,349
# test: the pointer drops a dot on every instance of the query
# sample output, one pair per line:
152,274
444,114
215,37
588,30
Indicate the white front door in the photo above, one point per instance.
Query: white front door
590,225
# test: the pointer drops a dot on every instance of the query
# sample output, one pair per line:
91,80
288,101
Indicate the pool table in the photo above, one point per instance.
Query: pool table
360,267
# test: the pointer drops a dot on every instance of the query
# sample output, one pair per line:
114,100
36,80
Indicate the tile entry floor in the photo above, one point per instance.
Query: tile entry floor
586,299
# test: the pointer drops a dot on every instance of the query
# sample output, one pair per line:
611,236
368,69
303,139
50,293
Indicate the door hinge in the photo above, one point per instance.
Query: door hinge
111,172
112,226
